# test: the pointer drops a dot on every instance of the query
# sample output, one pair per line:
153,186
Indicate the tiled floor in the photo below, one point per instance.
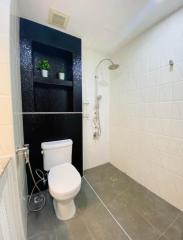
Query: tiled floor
110,206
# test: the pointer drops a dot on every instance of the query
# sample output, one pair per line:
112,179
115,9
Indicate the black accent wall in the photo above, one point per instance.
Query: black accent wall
52,108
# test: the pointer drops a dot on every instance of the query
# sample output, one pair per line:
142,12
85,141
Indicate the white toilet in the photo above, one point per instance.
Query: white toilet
64,180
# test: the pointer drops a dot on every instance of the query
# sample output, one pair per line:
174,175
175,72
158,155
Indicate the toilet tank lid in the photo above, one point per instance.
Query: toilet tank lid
56,144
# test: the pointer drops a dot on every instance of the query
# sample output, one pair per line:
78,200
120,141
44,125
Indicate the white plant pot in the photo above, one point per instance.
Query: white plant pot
61,76
44,73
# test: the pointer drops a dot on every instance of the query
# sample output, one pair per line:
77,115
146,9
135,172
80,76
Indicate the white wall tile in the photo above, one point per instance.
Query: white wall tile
4,48
177,91
4,13
4,79
95,152
6,140
165,92
177,110
17,117
150,130
16,208
177,128
6,116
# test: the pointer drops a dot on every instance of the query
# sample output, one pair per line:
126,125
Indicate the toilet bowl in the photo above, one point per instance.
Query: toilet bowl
64,183
64,180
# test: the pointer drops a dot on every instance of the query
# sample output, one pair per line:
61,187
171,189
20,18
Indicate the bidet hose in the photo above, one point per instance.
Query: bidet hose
42,178
32,175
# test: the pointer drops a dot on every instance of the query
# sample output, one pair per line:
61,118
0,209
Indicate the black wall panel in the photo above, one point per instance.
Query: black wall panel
37,40
39,128
44,100
52,98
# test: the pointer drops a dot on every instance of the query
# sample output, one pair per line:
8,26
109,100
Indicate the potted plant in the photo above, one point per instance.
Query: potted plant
61,74
44,66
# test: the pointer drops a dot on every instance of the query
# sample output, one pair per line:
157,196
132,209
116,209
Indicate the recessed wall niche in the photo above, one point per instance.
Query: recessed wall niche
52,94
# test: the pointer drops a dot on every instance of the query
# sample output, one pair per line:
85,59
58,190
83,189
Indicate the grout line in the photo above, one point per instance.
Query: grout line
163,234
119,225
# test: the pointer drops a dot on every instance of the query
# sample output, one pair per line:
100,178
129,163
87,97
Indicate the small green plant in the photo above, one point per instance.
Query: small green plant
43,65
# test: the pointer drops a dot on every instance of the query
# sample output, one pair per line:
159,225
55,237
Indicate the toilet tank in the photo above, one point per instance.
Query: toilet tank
56,153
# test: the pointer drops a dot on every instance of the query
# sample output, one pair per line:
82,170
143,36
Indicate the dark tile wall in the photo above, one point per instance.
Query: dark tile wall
33,34
41,98
39,128
52,98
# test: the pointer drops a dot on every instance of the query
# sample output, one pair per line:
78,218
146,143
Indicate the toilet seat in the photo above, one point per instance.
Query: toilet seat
64,181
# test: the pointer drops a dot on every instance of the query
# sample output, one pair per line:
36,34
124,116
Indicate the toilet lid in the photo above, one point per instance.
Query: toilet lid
64,179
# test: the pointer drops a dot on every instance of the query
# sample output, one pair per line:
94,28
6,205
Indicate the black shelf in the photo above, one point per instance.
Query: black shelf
54,82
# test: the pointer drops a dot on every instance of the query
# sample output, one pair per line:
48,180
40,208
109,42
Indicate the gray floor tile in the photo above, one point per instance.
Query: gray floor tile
107,180
74,229
136,226
86,198
175,232
48,235
154,209
162,238
92,221
159,213
103,173
142,214
37,226
99,223
110,183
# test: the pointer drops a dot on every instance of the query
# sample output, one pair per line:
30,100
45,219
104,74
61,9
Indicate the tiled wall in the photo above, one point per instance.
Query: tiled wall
6,143
10,221
17,109
95,152
11,189
147,110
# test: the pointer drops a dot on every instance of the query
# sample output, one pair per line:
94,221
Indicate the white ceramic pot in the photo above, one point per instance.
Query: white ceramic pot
44,73
61,76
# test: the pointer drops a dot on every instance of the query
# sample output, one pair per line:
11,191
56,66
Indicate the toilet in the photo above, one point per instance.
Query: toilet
64,180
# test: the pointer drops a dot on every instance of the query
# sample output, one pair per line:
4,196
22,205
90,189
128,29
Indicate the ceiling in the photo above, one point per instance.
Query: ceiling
103,25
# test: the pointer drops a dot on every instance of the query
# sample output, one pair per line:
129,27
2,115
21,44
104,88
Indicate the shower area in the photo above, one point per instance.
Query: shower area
139,185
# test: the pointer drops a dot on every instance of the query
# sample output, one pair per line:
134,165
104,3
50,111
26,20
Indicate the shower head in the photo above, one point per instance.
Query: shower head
113,66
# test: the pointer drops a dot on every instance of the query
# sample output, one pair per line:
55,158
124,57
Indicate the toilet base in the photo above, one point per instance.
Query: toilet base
64,210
